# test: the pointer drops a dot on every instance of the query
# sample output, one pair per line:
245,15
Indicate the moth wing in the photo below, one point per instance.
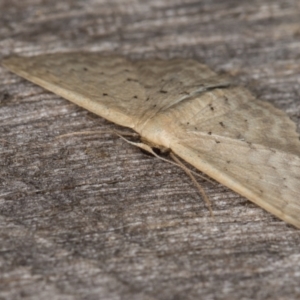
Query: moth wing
245,144
90,80
122,91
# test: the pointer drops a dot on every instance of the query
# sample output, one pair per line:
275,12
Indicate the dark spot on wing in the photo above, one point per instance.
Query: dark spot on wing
147,98
211,107
104,94
163,91
222,124
209,132
85,69
228,161
218,142
135,97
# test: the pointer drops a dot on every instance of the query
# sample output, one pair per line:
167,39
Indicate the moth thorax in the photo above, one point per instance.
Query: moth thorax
155,133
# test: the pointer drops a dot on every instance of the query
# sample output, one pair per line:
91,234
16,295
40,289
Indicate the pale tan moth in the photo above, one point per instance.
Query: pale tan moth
181,105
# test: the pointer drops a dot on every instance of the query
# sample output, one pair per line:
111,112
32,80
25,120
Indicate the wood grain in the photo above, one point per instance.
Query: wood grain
90,217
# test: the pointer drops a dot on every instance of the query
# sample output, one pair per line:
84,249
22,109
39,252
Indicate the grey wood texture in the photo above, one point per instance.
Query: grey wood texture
91,217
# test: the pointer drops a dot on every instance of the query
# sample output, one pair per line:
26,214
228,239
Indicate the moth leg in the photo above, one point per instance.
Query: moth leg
149,149
177,163
196,183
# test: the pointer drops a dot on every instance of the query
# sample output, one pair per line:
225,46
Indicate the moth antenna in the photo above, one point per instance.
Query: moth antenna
119,133
140,145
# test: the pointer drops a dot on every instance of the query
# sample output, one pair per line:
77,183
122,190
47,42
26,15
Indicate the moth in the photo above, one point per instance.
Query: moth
181,105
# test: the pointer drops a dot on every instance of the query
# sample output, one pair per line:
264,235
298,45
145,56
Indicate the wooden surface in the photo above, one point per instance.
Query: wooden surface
91,217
